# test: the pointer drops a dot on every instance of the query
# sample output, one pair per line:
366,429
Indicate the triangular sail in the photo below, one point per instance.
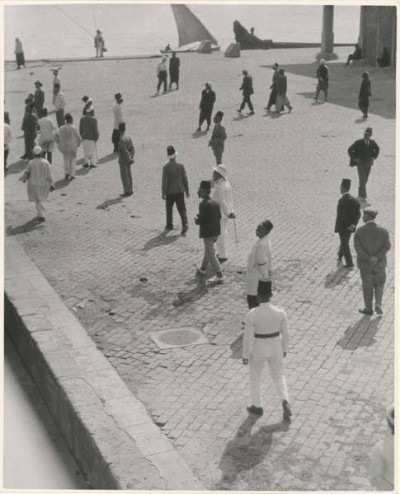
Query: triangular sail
190,29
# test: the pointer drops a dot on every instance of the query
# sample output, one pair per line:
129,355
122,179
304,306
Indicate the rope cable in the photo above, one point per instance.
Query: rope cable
74,20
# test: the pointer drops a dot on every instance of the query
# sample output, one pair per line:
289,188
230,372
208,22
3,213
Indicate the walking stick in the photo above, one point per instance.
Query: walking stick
236,237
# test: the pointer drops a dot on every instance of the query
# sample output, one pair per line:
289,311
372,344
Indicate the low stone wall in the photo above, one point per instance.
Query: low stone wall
108,431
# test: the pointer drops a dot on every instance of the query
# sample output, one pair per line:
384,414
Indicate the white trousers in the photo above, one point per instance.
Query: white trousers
89,150
276,368
69,164
221,241
40,208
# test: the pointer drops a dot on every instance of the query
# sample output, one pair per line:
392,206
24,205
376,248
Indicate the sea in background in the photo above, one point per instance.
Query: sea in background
66,30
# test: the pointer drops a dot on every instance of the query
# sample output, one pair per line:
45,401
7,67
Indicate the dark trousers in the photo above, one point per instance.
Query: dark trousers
29,145
179,200
363,104
344,248
373,282
246,100
205,115
162,79
60,117
252,301
115,139
218,151
364,170
126,178
272,99
6,151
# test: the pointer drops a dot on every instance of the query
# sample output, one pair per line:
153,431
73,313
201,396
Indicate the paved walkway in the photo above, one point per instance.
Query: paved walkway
94,249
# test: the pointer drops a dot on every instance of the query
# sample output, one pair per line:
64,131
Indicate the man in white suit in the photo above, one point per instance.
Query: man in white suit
266,340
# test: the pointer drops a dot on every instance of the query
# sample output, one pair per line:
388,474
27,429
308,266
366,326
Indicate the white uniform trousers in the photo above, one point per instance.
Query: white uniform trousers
69,164
276,367
221,241
90,151
40,208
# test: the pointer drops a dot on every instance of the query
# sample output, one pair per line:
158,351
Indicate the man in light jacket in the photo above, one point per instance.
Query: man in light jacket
222,193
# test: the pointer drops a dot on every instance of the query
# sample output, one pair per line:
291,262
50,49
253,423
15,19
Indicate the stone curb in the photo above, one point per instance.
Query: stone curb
108,430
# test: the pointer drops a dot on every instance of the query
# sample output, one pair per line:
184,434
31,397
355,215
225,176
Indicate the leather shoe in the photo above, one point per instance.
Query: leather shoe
255,410
378,310
349,266
366,312
287,412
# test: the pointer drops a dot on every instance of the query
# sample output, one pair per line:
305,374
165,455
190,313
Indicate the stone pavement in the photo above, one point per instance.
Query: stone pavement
94,249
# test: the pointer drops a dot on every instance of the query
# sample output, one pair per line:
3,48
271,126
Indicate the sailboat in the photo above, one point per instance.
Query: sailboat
191,31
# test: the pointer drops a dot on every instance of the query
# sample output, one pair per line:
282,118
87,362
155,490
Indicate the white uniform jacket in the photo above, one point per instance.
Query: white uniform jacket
222,193
118,115
258,265
265,319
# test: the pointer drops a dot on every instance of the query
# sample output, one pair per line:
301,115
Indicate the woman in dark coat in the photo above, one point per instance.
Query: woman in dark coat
365,94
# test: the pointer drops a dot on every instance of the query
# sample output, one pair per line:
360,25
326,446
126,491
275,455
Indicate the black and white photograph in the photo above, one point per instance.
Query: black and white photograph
199,246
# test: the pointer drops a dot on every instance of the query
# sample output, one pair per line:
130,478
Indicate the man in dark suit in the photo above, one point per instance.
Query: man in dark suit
348,214
372,242
218,137
173,188
174,64
363,153
206,106
209,220
247,91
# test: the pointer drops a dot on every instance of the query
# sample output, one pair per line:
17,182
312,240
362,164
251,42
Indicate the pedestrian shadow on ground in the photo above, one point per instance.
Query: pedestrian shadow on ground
106,159
360,334
82,171
160,240
240,116
273,114
246,450
237,347
360,120
193,295
337,277
60,184
17,166
109,202
199,133
29,226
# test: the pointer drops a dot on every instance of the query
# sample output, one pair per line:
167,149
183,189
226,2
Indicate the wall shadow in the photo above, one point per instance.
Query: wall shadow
360,334
246,450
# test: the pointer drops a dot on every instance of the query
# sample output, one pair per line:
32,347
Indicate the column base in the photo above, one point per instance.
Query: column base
326,55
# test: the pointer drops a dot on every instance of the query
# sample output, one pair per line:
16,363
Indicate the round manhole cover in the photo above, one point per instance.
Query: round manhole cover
178,337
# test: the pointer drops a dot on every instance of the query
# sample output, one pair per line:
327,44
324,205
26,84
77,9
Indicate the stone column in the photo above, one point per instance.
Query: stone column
327,34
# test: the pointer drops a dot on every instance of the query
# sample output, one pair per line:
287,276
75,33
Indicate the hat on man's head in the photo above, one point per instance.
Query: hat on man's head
281,71
346,183
368,131
219,114
322,60
117,95
85,99
370,212
267,225
264,289
37,151
205,184
38,83
276,65
221,170
171,152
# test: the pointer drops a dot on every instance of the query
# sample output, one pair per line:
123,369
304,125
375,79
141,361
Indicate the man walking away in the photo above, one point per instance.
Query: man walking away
88,130
125,160
38,97
68,142
259,263
247,91
29,127
372,242
218,137
118,118
47,134
364,94
206,106
266,340
56,80
209,220
174,65
362,154
281,92
19,54
323,80
174,186
272,95
162,75
222,193
347,217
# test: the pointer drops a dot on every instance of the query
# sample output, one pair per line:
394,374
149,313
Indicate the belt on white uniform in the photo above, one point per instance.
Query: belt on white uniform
268,335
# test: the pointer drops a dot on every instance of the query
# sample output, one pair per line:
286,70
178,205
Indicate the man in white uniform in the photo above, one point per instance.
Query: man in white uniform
259,263
266,339
222,193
